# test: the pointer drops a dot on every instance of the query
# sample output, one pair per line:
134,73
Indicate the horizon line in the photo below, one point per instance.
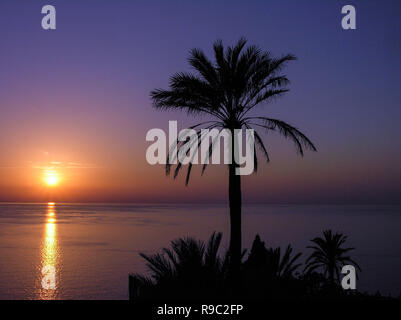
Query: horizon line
198,203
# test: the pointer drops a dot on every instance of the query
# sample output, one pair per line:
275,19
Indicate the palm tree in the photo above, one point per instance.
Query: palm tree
186,255
228,90
329,255
188,265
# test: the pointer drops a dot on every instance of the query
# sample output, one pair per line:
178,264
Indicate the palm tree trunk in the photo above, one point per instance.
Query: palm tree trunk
235,202
331,275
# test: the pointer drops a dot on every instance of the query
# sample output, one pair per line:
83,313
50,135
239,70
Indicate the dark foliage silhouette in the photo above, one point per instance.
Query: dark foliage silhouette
189,269
228,89
267,272
271,261
194,270
329,255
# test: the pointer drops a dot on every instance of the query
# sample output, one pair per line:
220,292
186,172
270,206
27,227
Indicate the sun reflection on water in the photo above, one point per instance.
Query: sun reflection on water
50,256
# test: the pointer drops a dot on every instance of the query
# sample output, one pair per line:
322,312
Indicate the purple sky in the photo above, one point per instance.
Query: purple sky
80,94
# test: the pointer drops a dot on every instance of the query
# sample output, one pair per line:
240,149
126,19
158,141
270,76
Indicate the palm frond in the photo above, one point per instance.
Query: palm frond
301,141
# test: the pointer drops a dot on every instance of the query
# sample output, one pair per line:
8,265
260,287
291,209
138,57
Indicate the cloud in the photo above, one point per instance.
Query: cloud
65,165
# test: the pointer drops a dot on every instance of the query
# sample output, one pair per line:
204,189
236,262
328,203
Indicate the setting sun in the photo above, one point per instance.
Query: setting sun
51,179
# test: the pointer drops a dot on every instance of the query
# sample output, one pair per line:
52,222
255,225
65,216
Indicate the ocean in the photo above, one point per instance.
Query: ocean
88,250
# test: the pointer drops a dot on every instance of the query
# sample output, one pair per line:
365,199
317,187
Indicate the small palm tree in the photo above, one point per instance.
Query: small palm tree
329,255
189,265
228,90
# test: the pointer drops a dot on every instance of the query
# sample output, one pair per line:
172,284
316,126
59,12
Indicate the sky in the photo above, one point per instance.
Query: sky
75,100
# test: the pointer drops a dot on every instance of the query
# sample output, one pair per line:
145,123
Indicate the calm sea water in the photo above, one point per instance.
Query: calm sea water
93,248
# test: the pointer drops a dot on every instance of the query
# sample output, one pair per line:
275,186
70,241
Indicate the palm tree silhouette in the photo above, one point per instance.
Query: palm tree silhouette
186,255
329,255
228,90
189,267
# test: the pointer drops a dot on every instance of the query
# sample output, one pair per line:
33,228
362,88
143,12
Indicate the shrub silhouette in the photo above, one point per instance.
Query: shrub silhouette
194,270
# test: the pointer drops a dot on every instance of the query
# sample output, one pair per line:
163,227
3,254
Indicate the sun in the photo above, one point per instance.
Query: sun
51,178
